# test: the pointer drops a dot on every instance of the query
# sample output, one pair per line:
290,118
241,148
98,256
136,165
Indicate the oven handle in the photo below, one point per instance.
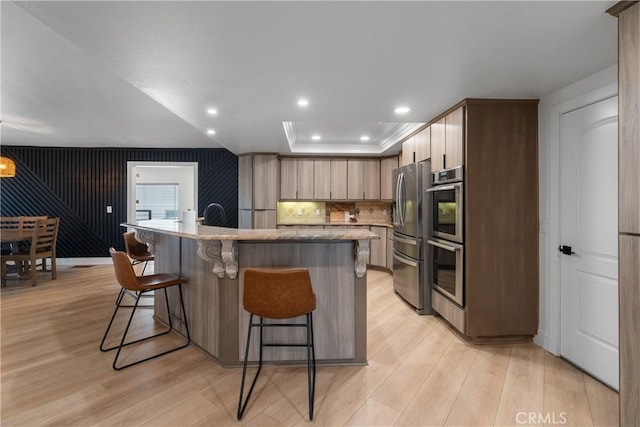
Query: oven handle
443,187
451,247
404,260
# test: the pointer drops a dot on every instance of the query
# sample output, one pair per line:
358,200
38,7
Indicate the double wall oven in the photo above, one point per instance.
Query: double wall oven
447,233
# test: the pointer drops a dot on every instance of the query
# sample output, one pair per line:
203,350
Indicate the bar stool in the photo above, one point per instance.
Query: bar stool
140,285
279,294
137,251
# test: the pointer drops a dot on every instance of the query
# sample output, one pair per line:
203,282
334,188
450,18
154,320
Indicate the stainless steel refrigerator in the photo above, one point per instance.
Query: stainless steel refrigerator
411,219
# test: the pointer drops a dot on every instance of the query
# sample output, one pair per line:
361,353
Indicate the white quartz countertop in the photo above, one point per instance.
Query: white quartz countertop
204,232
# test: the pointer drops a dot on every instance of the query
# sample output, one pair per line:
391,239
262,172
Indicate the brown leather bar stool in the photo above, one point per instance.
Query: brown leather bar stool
140,285
279,294
137,251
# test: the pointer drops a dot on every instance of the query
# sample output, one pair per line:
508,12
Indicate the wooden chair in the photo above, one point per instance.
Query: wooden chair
140,285
279,294
43,245
9,223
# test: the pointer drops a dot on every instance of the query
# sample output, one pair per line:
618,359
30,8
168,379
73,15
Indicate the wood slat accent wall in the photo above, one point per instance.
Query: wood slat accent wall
76,184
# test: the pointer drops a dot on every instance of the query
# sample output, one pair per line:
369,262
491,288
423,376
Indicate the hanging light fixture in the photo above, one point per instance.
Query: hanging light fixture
7,167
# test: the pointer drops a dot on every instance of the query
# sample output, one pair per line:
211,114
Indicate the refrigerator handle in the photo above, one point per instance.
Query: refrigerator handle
396,203
403,200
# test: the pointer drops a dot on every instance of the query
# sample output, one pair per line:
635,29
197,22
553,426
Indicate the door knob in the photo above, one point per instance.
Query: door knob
566,250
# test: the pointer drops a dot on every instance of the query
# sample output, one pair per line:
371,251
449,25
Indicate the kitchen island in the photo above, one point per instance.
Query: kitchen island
213,260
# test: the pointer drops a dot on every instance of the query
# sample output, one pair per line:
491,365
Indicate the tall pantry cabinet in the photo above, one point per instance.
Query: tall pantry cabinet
258,176
628,14
497,142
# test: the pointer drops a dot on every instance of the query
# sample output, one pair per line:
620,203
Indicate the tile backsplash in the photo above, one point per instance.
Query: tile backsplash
321,212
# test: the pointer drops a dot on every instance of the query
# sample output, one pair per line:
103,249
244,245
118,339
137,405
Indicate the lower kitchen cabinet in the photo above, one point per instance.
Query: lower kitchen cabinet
264,218
378,247
390,249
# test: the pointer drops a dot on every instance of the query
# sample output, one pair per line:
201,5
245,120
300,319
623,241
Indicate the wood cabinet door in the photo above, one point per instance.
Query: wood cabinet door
355,179
454,137
264,218
629,137
245,181
372,179
437,145
408,152
265,181
244,218
422,143
390,249
386,177
288,178
378,254
339,179
305,179
322,179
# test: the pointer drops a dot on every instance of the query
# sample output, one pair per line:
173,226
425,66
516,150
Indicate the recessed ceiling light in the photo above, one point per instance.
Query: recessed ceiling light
316,137
212,111
303,102
364,138
402,110
211,132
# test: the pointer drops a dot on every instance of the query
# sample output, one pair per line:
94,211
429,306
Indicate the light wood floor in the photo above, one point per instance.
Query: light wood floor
420,373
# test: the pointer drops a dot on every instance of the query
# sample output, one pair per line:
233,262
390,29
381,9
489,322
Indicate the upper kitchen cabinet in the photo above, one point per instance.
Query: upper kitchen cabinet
296,178
408,151
338,179
363,179
372,179
629,107
447,141
322,179
422,144
288,178
265,181
386,177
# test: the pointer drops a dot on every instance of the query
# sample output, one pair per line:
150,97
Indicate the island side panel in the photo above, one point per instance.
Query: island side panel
340,316
202,296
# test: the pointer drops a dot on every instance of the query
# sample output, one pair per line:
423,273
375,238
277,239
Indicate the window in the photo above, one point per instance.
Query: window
157,201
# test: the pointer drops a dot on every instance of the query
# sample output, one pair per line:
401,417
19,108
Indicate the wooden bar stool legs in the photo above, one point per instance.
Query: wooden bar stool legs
278,294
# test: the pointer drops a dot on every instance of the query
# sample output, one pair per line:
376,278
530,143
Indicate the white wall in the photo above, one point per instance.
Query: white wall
594,88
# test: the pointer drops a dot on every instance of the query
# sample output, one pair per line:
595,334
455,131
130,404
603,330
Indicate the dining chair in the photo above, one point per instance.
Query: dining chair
9,223
43,245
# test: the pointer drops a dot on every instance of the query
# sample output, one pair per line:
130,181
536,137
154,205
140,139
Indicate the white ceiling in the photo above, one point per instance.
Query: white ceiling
142,74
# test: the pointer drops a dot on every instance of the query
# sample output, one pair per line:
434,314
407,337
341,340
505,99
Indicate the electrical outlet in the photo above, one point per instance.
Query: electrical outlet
299,212
317,212
109,209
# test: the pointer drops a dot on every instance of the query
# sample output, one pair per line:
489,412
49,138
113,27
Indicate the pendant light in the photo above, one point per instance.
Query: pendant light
7,167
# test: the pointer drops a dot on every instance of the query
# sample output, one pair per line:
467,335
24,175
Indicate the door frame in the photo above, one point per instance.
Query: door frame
602,85
131,182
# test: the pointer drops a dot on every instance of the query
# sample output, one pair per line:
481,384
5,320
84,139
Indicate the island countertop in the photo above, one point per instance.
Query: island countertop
204,232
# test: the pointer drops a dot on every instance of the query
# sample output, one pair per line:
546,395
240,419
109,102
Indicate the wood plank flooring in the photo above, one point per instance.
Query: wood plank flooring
420,373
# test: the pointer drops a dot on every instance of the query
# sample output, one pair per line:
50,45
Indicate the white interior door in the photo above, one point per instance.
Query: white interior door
589,225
